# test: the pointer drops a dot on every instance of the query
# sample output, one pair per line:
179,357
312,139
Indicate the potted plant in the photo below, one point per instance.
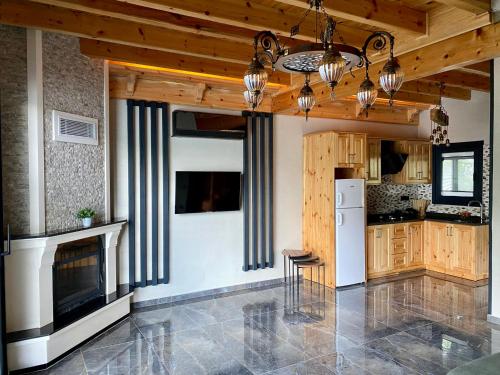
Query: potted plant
86,215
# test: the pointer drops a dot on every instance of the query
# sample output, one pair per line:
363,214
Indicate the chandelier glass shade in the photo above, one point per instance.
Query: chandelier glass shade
255,77
332,67
330,59
392,77
367,94
306,99
252,99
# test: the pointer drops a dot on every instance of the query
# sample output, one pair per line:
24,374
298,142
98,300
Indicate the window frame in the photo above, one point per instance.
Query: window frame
437,170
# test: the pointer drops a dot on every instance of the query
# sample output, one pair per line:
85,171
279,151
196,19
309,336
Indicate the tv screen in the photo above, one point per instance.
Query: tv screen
207,191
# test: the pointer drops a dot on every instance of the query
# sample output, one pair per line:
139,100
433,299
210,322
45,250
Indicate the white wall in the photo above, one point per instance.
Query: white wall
207,249
495,203
469,120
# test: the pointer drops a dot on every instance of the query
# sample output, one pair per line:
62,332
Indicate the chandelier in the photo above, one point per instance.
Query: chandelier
439,122
325,56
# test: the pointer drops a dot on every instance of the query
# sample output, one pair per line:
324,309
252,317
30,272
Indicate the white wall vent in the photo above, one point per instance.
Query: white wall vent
73,128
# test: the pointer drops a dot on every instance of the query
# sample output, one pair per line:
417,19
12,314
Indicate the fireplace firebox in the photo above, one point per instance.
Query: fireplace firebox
78,278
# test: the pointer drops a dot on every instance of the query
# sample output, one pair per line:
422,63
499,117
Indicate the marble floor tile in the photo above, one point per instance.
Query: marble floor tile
256,348
375,362
421,325
125,331
132,358
302,332
339,364
163,321
311,367
192,352
452,340
416,354
72,364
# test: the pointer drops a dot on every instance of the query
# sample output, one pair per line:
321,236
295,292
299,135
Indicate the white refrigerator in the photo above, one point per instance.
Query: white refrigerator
350,230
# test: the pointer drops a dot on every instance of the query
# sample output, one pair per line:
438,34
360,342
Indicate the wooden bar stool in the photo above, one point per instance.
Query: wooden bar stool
292,254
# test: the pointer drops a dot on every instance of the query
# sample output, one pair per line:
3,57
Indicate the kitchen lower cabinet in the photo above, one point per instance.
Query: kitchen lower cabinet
454,249
379,256
457,249
416,244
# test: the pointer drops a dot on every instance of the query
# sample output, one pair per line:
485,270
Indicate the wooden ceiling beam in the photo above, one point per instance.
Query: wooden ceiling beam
160,59
411,97
482,69
465,49
462,79
381,14
434,89
27,14
181,93
473,6
153,17
165,75
252,14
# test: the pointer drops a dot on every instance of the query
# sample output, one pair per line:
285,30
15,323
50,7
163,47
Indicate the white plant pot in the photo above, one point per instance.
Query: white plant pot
87,222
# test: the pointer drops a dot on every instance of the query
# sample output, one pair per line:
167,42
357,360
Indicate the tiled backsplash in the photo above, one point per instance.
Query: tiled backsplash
386,197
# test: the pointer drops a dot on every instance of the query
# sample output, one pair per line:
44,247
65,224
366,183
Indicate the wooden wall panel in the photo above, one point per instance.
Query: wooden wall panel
318,210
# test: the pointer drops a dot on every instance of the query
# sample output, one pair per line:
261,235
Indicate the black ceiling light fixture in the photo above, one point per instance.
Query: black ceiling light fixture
325,56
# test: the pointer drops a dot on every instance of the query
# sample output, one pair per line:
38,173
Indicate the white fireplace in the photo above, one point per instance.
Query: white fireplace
30,299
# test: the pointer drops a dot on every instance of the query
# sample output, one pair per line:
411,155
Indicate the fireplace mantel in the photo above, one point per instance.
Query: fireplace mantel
28,273
29,296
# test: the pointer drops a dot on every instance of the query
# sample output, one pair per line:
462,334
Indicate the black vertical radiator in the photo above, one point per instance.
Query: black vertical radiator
148,134
258,192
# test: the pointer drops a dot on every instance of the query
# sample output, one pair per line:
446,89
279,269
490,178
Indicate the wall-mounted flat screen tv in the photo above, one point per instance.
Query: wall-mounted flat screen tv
207,191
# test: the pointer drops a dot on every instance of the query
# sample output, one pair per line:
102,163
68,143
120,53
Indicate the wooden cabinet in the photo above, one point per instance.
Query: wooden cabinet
457,249
373,167
416,244
379,254
438,246
417,169
351,149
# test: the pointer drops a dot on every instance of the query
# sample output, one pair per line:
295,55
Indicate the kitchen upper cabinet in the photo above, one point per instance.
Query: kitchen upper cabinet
417,169
373,167
351,149
415,244
379,254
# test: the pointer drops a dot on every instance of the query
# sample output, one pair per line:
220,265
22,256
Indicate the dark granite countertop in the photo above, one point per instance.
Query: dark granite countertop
459,221
59,232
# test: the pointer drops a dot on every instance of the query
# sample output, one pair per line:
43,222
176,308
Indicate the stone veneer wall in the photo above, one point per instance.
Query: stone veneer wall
74,173
387,196
14,117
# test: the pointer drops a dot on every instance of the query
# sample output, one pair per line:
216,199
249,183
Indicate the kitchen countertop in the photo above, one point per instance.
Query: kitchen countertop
449,221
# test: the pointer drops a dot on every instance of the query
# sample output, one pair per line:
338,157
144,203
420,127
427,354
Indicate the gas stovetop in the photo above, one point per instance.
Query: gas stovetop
393,217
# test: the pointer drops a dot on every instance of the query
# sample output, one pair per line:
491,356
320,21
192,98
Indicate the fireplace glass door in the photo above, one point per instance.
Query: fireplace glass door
78,275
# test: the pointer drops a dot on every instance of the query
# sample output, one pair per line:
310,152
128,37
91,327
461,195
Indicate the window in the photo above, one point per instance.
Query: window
458,173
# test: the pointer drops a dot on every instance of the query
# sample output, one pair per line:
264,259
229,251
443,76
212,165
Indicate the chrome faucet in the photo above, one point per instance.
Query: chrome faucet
480,205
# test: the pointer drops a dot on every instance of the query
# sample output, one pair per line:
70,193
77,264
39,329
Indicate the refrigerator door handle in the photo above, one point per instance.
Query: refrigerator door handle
340,219
339,199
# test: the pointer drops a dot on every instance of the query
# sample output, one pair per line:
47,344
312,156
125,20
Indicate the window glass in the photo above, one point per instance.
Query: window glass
457,177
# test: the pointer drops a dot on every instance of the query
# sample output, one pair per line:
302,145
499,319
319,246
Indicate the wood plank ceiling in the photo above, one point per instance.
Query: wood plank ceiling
196,51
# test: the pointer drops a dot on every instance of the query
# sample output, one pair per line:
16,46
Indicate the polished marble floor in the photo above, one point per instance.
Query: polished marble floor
420,325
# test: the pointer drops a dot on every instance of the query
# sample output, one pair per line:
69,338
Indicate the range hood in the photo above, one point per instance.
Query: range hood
392,161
